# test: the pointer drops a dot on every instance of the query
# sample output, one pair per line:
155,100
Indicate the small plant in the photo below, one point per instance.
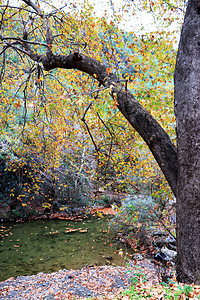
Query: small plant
186,289
132,293
172,291
138,276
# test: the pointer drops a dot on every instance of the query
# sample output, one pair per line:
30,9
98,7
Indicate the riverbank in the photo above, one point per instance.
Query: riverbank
78,213
95,281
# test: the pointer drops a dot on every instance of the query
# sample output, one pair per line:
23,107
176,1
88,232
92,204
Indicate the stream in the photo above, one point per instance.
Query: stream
51,245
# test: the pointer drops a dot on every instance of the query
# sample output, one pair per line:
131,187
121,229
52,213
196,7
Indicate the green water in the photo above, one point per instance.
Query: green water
44,246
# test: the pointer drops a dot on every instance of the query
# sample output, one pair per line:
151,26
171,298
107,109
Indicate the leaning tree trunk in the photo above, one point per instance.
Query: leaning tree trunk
187,110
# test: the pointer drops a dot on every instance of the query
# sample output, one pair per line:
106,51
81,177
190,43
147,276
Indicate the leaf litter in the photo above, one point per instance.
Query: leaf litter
90,281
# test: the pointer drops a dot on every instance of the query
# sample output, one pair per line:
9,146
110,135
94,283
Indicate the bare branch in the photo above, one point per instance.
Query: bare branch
87,108
25,108
4,49
2,68
56,10
163,224
111,143
30,53
88,129
25,81
174,7
22,41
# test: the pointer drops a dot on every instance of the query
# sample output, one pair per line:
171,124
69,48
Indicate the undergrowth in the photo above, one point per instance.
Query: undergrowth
142,289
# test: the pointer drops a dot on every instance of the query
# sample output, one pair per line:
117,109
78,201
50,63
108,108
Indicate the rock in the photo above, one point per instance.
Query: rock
161,257
170,253
159,233
171,243
137,256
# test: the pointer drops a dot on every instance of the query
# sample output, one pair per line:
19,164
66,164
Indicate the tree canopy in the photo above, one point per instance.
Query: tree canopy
36,40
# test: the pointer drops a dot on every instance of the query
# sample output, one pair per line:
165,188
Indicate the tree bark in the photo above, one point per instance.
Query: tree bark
187,110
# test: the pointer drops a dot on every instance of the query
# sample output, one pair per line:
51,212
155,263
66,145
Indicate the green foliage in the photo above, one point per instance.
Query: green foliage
132,220
167,291
136,211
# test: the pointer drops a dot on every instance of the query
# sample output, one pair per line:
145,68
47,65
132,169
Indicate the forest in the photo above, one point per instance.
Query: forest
99,116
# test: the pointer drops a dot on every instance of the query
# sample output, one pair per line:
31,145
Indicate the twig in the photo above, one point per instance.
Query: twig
111,143
88,129
3,67
22,41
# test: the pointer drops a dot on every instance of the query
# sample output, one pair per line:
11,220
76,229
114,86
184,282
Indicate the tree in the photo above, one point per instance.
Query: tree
186,94
180,166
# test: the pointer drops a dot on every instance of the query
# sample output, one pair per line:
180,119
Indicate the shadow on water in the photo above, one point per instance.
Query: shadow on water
50,245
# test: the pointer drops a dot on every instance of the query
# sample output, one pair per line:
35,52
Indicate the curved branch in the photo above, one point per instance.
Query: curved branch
34,6
158,141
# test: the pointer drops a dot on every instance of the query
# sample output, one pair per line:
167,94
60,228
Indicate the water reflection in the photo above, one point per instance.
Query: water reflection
51,245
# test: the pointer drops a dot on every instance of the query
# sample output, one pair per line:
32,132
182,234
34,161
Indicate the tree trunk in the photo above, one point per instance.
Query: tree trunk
187,110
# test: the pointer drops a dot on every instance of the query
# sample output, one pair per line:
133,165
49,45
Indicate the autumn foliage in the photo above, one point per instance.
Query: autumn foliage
62,134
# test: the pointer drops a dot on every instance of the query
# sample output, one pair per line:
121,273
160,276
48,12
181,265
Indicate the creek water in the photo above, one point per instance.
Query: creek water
51,245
